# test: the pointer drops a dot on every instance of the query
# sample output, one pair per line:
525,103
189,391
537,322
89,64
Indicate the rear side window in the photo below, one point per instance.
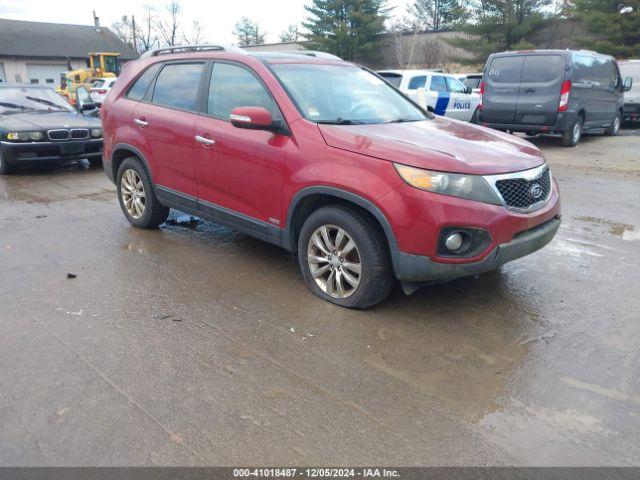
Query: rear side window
233,86
140,86
417,82
438,84
456,86
177,86
505,69
393,78
596,71
472,82
542,68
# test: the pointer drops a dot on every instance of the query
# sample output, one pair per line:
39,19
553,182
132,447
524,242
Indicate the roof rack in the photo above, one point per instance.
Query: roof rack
193,48
311,53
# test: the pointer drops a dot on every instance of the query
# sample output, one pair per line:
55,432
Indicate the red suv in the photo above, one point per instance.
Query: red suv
324,158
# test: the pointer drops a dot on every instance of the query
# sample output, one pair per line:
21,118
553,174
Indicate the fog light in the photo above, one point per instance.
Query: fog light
453,241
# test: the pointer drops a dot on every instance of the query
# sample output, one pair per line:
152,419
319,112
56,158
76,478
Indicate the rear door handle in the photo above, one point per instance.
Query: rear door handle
204,140
529,90
141,122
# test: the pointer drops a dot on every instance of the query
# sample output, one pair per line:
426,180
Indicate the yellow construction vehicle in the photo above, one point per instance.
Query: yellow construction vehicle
101,65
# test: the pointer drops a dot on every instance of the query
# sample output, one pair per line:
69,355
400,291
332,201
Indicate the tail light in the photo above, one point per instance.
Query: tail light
102,92
565,90
481,94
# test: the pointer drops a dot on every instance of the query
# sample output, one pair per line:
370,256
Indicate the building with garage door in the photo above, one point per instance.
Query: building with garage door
37,53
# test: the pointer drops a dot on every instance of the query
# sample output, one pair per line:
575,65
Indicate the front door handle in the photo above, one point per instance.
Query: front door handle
141,122
204,140
529,90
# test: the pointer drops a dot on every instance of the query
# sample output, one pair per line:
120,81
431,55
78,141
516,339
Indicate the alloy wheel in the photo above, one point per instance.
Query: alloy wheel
616,125
132,192
577,132
334,261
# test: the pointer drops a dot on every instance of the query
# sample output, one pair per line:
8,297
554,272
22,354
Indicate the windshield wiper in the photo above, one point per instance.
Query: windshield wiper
46,102
402,120
15,106
341,121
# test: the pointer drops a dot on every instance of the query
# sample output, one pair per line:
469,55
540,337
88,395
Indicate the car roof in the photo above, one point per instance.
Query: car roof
23,85
413,71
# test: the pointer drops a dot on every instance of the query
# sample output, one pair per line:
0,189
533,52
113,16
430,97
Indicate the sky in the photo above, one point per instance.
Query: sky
217,17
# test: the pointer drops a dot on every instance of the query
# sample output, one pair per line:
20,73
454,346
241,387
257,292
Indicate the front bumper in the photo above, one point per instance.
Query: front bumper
35,152
416,268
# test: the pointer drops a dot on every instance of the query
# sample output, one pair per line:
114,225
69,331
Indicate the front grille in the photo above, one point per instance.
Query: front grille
79,133
519,193
62,134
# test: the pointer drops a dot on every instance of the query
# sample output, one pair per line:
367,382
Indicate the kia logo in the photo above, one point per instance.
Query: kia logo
535,191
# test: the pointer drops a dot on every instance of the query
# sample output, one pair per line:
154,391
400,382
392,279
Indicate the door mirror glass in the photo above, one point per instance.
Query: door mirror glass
252,118
628,83
84,101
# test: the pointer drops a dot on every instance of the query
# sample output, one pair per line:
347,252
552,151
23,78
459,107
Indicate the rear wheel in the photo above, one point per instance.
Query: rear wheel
344,258
136,196
571,137
614,128
6,168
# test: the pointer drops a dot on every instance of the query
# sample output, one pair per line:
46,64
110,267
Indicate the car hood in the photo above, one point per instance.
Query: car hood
437,144
47,121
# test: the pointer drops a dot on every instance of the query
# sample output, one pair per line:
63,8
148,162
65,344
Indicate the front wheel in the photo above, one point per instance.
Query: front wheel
344,257
571,137
614,128
136,196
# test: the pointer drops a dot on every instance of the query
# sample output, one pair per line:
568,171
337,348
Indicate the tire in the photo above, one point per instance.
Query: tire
7,168
572,136
152,213
614,128
371,254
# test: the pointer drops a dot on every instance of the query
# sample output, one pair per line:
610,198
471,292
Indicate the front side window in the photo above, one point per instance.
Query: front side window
344,94
417,82
233,86
456,86
139,88
438,84
177,86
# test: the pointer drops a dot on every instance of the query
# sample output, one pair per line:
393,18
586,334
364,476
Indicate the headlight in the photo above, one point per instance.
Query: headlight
25,136
96,132
471,187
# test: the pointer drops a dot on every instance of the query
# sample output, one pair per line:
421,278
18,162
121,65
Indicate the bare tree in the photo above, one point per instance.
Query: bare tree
194,36
146,33
168,27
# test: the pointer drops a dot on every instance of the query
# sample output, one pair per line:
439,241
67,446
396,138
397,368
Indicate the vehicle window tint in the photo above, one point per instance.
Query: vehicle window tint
233,86
417,82
542,68
505,70
438,84
393,78
472,82
177,86
455,85
631,70
596,71
98,84
139,88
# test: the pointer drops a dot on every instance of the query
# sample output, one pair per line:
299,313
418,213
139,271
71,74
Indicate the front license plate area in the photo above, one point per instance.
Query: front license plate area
72,148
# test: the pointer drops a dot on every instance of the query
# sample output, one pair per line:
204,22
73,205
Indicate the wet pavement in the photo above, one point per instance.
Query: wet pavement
195,345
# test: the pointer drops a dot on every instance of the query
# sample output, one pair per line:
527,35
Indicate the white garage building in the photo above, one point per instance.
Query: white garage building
37,53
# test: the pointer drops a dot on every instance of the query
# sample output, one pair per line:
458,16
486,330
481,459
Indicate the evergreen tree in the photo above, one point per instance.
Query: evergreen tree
499,25
350,29
614,25
248,33
435,15
290,35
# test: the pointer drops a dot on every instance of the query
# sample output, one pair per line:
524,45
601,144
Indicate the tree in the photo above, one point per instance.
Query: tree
290,35
613,24
168,27
435,15
351,29
248,32
498,25
194,37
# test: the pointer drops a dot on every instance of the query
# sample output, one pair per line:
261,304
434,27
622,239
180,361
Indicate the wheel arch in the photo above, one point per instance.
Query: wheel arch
121,151
310,199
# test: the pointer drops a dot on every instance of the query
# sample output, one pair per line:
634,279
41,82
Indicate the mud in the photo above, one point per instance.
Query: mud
196,345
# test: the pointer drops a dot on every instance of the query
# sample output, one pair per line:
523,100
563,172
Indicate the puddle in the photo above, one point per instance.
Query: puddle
616,229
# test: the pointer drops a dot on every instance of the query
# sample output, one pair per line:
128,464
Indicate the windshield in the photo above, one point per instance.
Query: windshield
631,70
25,99
394,79
344,95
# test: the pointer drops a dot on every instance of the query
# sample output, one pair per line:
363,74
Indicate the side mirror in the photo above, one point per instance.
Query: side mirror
252,118
468,90
84,102
628,83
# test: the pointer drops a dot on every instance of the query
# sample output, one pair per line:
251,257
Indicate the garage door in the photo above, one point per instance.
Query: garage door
2,77
45,74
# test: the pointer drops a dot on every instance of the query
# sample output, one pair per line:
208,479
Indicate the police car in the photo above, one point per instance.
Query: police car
438,92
